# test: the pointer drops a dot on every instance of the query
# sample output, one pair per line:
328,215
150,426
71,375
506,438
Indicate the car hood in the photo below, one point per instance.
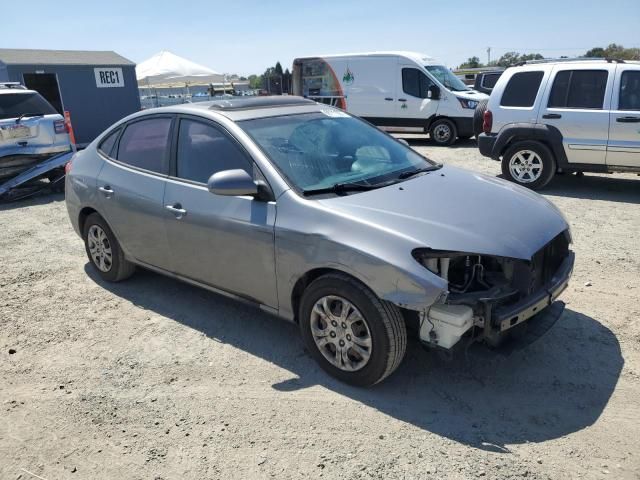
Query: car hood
472,95
454,209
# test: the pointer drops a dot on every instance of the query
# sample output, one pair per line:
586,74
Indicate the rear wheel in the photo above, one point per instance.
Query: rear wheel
352,334
104,251
443,132
530,164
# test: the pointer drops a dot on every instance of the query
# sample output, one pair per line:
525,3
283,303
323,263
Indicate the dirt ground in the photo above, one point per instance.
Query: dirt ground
155,379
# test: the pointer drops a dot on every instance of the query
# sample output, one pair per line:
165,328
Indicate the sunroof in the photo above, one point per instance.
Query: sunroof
259,102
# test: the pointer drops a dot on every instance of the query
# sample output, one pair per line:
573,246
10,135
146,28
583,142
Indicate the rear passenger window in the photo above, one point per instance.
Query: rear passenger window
145,144
204,150
629,91
579,89
489,81
522,89
107,144
415,82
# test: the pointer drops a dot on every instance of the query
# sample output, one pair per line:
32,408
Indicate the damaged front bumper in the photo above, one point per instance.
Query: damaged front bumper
444,325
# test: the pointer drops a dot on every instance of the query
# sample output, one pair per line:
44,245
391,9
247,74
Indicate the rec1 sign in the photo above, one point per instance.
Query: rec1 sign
108,77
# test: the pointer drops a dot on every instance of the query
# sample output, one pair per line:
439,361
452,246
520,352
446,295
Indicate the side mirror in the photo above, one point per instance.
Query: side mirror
232,183
434,92
403,141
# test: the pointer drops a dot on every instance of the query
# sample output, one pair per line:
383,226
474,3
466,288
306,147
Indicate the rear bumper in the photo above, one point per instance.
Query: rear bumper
486,145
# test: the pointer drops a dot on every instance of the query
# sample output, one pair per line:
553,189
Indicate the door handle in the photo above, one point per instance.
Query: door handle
551,115
177,210
106,190
388,99
628,119
402,99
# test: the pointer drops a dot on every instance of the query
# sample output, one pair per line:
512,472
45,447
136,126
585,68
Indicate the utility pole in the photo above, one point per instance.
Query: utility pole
488,55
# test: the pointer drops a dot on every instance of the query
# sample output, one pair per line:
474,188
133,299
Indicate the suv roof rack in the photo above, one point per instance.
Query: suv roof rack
16,85
568,59
259,102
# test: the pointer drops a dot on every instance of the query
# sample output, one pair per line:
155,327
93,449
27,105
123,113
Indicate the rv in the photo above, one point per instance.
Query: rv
391,90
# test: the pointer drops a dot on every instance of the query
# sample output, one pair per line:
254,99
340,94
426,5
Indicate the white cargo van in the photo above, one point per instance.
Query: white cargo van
391,89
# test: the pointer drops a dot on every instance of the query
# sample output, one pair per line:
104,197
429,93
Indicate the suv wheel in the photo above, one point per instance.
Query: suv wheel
352,334
530,164
443,132
104,251
478,117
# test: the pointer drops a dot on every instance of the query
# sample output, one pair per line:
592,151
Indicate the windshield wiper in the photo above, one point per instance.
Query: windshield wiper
341,188
29,115
411,173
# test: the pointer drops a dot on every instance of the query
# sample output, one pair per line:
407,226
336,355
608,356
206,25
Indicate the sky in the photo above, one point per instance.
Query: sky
246,37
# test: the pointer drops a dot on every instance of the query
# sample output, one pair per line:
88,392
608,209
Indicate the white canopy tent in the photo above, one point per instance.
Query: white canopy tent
166,69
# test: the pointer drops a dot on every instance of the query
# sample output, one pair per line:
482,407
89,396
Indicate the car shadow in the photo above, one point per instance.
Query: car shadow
39,197
425,141
554,387
595,187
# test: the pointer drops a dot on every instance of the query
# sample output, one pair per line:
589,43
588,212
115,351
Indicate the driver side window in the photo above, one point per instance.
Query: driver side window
415,83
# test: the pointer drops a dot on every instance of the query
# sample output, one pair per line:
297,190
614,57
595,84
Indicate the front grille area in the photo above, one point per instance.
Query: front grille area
531,276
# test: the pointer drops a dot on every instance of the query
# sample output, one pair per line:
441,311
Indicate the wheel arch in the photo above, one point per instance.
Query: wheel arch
545,134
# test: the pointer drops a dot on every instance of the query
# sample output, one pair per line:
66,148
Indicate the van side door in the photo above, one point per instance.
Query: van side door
577,103
413,105
623,148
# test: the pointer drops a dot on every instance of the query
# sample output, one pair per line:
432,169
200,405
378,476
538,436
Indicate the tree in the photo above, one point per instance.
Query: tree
255,81
472,62
614,50
513,58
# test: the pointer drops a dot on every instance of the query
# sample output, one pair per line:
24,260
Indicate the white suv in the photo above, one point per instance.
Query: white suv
563,116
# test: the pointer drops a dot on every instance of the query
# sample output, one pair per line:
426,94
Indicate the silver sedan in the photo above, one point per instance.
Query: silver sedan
318,217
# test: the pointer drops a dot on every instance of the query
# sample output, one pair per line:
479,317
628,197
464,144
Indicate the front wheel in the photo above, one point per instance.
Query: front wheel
352,334
443,132
530,164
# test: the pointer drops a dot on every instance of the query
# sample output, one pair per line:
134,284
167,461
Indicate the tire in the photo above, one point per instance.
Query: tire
381,323
478,117
535,154
113,269
443,132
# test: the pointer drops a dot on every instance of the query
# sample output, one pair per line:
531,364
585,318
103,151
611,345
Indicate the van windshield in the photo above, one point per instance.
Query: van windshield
447,78
321,149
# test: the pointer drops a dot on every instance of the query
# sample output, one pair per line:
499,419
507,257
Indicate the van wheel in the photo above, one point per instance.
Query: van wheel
530,164
478,117
104,251
351,333
443,132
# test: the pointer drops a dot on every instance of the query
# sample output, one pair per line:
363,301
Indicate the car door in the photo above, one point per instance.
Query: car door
623,148
223,241
131,185
577,104
413,106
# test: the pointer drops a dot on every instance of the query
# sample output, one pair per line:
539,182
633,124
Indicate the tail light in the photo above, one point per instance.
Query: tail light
487,121
60,126
67,167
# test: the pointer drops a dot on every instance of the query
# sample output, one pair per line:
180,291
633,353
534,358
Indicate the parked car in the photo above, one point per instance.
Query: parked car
324,220
563,116
392,89
485,81
31,130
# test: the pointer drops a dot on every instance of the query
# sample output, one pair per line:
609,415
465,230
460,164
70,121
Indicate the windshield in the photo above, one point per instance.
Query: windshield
447,78
321,149
12,105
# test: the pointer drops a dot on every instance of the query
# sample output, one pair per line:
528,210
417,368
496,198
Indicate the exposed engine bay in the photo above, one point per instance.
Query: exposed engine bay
481,286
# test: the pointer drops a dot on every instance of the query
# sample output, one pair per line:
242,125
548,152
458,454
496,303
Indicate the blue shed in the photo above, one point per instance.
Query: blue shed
96,88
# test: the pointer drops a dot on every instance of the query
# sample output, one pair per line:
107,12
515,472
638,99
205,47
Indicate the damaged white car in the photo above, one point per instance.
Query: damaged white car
318,217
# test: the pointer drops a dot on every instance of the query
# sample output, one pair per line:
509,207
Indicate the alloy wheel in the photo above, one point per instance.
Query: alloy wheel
100,248
525,166
341,333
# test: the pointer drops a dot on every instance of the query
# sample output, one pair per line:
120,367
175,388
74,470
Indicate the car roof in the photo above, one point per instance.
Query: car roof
247,108
418,57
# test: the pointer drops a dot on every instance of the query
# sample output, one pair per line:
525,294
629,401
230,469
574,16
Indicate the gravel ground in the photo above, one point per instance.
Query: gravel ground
155,379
